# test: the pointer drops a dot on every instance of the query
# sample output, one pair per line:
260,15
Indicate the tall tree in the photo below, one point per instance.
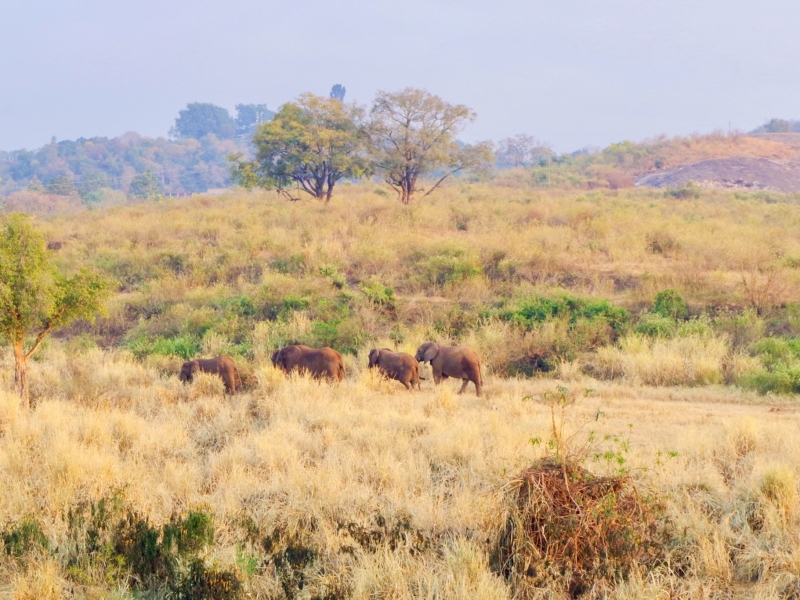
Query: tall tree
522,150
308,146
249,116
35,297
412,135
199,119
338,91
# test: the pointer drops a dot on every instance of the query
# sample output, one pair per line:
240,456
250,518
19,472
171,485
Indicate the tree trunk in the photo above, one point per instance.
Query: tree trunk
21,374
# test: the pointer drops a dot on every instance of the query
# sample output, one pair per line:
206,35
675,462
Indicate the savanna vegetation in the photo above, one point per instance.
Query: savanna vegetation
677,312
641,355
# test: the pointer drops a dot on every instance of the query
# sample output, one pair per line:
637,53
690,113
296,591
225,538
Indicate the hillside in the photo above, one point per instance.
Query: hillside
663,330
628,163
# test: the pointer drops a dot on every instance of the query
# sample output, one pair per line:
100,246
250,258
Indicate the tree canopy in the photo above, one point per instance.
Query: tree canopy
522,150
309,146
249,116
199,119
412,134
35,297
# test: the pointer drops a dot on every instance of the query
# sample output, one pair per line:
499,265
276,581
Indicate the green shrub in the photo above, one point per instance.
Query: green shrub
292,265
685,192
126,547
654,325
743,328
23,538
669,303
779,381
184,346
448,266
377,293
540,309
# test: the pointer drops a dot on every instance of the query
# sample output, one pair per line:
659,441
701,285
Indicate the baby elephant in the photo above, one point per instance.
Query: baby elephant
396,365
219,365
459,362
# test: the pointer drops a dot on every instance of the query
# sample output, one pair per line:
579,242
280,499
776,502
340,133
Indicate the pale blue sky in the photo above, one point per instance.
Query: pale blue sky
572,72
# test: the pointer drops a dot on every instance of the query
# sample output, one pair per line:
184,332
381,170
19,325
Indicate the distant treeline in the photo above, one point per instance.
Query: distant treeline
193,160
779,126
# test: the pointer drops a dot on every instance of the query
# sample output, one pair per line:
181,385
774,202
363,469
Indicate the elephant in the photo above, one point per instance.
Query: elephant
320,362
460,362
220,365
396,365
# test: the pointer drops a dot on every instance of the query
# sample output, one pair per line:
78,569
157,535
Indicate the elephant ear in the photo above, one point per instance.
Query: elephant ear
430,352
194,367
373,357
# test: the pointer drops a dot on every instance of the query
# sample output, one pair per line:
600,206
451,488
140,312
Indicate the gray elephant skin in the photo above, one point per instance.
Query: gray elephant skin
399,366
219,365
321,363
458,362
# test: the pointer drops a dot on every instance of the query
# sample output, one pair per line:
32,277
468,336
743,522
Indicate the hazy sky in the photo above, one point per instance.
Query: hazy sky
571,72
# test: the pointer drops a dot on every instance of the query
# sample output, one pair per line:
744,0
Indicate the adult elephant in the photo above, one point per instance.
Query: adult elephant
459,362
399,366
219,365
321,363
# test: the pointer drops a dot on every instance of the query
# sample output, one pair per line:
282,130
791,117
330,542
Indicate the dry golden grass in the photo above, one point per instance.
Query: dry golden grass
398,494
291,452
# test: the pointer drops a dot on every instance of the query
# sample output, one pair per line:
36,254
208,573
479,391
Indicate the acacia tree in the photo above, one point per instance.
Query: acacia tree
522,150
412,134
35,297
308,146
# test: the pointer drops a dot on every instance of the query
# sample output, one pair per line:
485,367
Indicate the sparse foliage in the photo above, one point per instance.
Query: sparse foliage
522,150
35,297
413,135
308,147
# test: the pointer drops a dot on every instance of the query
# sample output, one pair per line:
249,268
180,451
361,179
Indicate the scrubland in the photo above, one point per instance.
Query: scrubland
673,316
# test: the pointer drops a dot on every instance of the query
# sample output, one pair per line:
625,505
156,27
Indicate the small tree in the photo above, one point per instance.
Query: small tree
522,150
413,134
35,297
145,185
308,147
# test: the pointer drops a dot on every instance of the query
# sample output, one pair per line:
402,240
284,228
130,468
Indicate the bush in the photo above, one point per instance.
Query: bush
23,538
378,294
779,381
448,266
125,546
670,304
655,326
184,346
539,309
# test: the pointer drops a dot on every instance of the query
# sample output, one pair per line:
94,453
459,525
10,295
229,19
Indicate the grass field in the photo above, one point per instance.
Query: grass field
124,483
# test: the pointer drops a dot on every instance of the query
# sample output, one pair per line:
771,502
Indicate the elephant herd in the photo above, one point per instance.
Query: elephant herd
458,362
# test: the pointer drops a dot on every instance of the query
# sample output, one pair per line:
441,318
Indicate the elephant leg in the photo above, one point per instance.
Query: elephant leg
408,386
463,386
478,387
